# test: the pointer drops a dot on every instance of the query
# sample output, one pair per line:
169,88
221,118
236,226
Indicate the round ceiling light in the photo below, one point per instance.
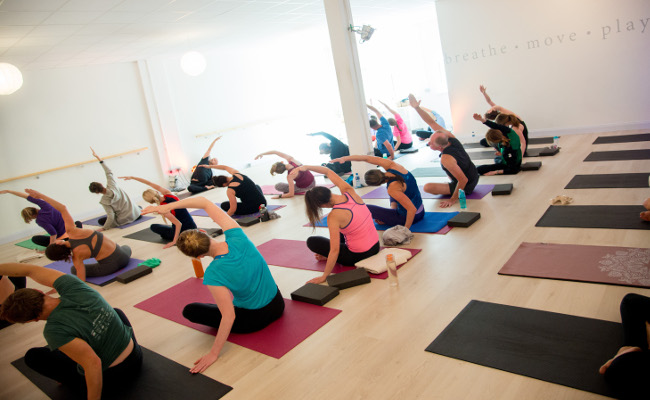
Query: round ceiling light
10,79
193,63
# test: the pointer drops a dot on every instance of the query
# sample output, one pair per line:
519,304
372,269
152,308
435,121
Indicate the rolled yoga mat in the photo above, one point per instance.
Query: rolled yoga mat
433,222
640,137
270,189
298,322
551,347
203,213
429,172
95,221
160,378
296,254
66,268
625,266
620,155
479,192
604,181
606,217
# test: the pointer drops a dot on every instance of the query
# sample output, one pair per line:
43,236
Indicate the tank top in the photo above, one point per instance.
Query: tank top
88,241
360,233
412,191
456,150
304,178
247,191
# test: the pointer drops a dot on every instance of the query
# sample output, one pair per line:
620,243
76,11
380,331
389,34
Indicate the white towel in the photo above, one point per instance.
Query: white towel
377,263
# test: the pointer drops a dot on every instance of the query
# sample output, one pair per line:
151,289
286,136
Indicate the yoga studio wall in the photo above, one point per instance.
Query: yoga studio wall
564,66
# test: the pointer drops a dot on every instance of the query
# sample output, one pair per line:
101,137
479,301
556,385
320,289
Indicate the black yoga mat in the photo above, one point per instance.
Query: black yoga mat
540,140
608,217
620,155
147,235
160,379
640,137
551,347
428,172
604,181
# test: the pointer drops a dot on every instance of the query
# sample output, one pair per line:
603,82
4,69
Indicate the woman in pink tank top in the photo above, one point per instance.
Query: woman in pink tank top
353,236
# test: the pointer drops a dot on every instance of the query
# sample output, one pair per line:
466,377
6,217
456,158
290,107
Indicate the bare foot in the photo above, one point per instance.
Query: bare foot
645,215
491,173
378,222
320,258
621,351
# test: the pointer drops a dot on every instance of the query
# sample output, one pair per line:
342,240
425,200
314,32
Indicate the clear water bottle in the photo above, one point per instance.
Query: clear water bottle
391,267
264,213
462,199
357,181
556,142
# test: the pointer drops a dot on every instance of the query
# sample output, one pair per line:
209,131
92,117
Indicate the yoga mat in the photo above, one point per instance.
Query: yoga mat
626,266
298,322
640,137
94,221
636,180
620,155
479,192
541,152
147,235
270,189
429,172
160,378
531,140
433,222
203,213
65,267
607,217
296,254
28,244
482,155
551,347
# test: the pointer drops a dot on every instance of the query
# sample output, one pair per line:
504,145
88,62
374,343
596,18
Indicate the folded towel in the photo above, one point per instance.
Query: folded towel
377,263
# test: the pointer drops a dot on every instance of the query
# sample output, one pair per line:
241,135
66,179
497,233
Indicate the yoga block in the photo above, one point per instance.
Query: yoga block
248,221
409,151
502,189
315,294
134,274
549,151
348,279
531,166
216,232
464,219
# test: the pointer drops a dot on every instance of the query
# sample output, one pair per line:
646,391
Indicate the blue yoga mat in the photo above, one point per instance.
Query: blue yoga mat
66,267
431,223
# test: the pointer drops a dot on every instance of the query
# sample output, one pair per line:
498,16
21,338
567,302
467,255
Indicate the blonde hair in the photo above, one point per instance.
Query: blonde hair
193,243
278,168
28,214
151,196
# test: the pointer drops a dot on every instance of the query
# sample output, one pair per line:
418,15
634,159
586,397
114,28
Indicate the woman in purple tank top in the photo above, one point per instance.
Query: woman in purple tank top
353,236
297,180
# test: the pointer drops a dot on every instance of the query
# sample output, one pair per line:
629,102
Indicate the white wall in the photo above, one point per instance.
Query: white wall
51,122
563,66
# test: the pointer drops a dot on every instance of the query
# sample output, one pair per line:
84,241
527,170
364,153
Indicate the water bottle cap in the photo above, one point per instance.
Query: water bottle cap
389,257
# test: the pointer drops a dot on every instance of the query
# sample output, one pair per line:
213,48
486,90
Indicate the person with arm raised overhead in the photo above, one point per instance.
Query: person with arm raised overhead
296,180
384,135
239,186
201,179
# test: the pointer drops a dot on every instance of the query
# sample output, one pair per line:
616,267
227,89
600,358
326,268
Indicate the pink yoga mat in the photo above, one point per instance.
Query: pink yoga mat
297,323
270,189
626,266
296,254
479,192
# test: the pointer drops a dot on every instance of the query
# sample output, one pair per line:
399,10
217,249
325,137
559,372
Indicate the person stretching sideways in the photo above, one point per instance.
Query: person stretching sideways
301,180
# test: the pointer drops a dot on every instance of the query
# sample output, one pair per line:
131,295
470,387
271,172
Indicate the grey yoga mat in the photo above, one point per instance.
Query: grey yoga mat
482,155
147,235
160,378
607,217
604,181
551,347
640,137
620,155
428,171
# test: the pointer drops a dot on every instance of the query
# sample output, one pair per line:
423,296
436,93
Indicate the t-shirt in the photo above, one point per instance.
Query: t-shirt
83,313
48,218
383,134
243,271
401,131
181,214
202,175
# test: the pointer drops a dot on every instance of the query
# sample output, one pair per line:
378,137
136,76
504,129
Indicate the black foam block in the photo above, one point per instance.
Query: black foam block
315,294
248,221
348,279
464,219
531,166
502,189
409,151
160,378
134,274
549,151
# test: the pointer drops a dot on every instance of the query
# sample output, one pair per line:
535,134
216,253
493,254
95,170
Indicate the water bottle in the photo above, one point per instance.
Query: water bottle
461,199
357,181
264,213
391,267
198,267
556,142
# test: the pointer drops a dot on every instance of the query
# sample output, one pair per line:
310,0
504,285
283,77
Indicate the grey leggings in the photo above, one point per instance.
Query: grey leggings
284,187
116,261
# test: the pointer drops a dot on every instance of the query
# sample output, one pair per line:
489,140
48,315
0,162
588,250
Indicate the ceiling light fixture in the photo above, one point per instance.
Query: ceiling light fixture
365,32
10,79
193,63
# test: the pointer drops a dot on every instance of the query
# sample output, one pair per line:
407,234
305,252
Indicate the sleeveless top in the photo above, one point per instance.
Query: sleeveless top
412,191
247,191
74,243
456,150
304,178
360,233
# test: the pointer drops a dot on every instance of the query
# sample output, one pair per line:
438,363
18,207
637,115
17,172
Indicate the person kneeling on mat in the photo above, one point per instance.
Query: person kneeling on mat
246,296
296,180
353,236
83,244
506,141
87,339
240,187
181,219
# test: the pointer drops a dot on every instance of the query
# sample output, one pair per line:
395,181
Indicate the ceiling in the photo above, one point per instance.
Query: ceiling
44,34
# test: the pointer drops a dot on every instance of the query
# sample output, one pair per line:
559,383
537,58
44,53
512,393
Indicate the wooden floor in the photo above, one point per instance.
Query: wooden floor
374,349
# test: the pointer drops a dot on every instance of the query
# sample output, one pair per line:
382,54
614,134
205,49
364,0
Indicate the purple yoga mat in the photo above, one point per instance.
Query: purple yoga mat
295,254
65,267
298,322
479,192
95,222
203,213
270,189
626,266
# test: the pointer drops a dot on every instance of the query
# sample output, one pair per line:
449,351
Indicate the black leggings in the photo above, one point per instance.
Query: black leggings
119,259
339,168
404,146
507,169
246,320
167,232
56,365
193,188
321,245
424,134
101,221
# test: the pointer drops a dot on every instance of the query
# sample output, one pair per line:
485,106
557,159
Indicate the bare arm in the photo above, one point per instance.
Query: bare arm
399,196
41,275
223,299
390,110
279,154
332,176
78,263
426,117
335,244
215,212
373,109
207,153
381,162
159,188
487,97
451,165
389,146
67,218
230,193
226,168
19,194
81,352
177,225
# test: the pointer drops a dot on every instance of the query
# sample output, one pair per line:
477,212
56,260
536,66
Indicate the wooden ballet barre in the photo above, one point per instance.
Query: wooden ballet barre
72,165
